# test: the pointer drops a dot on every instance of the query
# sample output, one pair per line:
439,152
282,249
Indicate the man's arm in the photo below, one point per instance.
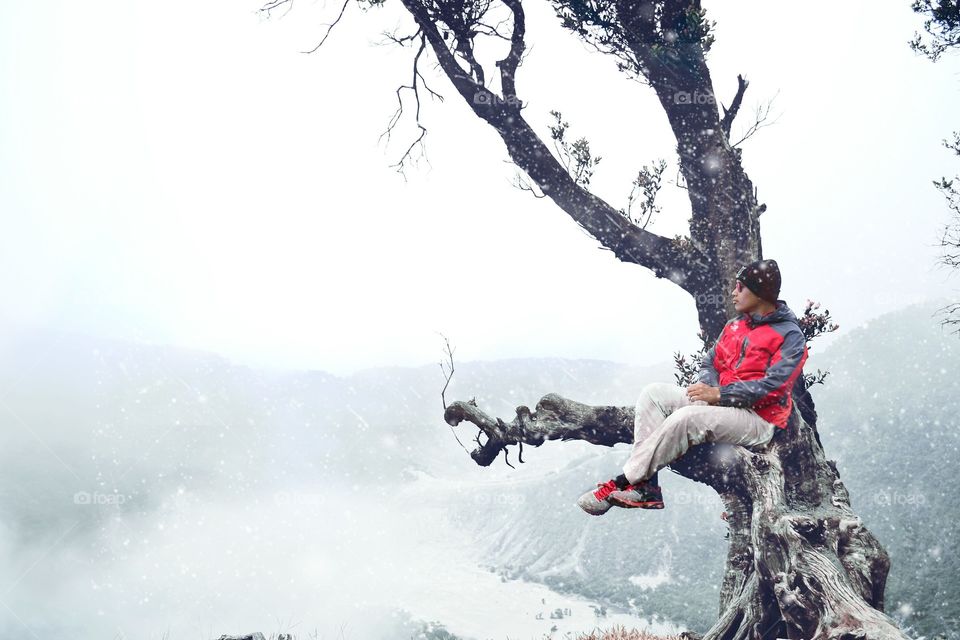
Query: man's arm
745,393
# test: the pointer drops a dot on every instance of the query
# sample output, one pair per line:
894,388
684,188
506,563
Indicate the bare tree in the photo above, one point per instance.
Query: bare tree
942,34
801,563
950,236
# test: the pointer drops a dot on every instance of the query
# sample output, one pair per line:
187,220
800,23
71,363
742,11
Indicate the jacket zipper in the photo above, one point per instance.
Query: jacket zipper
743,352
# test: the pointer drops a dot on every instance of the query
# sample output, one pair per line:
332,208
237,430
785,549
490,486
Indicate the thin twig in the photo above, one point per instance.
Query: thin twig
525,185
449,351
761,114
416,80
330,27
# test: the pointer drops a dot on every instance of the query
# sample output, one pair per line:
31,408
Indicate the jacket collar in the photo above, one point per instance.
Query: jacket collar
781,314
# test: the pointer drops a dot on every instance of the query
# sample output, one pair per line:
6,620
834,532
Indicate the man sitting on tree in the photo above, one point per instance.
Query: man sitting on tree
741,396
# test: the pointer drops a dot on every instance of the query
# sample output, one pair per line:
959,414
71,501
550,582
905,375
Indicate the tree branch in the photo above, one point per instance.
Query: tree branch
729,115
330,27
523,184
942,26
800,561
413,87
273,4
760,116
508,66
604,223
556,418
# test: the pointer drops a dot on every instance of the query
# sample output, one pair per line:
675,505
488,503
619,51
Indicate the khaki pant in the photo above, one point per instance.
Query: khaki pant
667,424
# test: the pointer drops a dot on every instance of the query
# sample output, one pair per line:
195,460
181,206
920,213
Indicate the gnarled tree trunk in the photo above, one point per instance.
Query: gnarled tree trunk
801,564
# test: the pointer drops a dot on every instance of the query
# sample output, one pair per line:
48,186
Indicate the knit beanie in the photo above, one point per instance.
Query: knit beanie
763,278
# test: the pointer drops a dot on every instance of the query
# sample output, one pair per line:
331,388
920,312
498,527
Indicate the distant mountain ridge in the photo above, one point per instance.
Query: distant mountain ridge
142,420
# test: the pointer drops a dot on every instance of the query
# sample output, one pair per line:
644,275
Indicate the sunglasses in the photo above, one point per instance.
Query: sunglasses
738,286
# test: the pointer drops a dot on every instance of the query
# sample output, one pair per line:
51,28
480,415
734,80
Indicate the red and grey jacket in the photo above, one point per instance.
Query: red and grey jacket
756,361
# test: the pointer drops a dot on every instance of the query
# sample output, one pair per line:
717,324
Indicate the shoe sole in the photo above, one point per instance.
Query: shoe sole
629,504
593,513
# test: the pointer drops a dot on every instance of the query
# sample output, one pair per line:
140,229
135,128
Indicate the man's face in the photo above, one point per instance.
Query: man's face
744,300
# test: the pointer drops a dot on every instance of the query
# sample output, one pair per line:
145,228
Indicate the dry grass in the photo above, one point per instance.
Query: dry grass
622,633
613,633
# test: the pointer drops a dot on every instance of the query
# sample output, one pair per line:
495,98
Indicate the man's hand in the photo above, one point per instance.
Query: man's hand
704,393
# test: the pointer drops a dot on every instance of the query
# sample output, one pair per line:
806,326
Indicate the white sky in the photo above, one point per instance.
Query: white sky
182,173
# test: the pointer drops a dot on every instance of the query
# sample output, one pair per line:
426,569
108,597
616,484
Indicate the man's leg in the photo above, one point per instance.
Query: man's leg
656,402
691,425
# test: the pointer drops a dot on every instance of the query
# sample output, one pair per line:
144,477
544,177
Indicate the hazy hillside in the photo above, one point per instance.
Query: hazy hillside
890,416
167,484
174,487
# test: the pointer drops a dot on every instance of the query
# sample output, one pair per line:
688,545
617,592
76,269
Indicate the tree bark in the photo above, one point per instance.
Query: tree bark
724,224
801,564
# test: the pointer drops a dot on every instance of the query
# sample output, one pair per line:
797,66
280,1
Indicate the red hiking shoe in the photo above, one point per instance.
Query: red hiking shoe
639,496
595,502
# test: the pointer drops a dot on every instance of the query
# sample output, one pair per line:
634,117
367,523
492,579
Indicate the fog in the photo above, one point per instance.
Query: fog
223,307
186,175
